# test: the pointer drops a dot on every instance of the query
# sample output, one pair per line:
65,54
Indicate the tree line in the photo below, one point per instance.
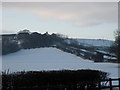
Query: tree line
23,40
116,47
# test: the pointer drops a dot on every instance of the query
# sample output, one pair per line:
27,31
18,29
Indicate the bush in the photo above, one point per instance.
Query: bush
53,79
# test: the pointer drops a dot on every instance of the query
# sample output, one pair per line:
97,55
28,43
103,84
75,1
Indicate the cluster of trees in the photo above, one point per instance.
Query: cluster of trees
116,47
37,40
117,39
53,80
25,40
9,45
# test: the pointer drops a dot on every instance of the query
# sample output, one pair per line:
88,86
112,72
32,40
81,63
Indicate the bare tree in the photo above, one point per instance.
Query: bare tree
117,40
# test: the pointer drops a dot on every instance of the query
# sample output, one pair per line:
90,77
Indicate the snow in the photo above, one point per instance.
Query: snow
52,59
104,52
109,57
83,50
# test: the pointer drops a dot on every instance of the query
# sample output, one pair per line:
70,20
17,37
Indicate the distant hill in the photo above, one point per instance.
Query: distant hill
27,40
95,42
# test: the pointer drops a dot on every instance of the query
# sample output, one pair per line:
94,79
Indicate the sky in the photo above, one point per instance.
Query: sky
94,20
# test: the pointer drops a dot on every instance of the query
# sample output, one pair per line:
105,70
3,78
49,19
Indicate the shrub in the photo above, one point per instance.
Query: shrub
54,79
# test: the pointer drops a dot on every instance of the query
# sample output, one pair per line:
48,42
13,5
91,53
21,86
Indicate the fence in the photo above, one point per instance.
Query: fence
109,81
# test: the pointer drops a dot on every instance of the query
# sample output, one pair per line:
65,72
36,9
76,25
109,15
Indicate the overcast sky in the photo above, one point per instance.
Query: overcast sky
76,19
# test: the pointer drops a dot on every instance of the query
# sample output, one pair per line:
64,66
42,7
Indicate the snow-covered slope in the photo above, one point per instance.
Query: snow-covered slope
52,59
95,42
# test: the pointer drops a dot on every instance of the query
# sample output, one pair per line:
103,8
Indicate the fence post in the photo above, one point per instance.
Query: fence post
119,83
110,81
99,85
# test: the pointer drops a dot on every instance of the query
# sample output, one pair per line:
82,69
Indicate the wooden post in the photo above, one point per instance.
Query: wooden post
110,81
119,83
99,85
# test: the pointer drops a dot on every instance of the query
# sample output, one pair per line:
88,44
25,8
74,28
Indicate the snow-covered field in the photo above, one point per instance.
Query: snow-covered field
52,59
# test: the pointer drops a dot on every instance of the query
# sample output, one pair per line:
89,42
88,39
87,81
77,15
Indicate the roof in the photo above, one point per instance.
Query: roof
106,53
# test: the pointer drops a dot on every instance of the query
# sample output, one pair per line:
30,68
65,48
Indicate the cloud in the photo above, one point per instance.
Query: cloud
76,13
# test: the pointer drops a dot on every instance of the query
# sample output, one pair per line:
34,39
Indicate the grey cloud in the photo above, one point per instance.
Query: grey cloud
77,13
